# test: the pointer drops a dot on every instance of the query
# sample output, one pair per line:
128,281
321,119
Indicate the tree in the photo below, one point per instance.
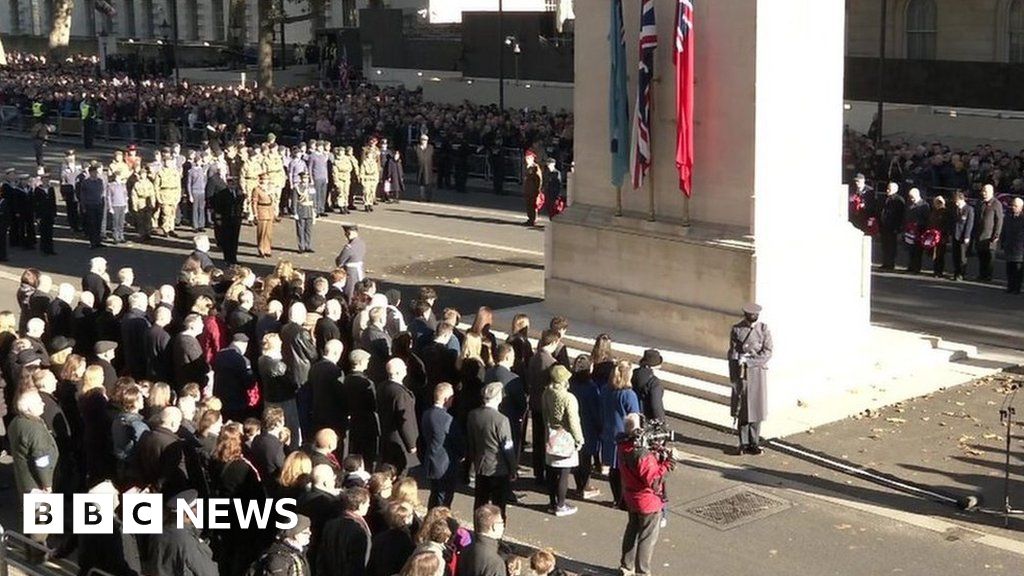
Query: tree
265,51
60,34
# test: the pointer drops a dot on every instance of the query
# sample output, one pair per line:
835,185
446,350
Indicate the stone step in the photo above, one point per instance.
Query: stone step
702,389
699,410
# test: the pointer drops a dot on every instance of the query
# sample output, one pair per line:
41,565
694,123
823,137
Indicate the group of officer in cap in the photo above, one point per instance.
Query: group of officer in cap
28,205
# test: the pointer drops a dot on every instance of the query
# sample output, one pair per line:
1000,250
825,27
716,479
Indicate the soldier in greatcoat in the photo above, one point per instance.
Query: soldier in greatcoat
369,174
143,203
750,349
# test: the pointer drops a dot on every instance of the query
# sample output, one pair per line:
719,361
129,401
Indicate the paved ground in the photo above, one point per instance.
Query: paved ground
473,250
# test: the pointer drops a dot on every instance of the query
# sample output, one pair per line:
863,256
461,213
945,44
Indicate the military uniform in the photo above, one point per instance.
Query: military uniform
351,258
168,195
345,165
44,201
276,177
305,207
143,206
265,210
228,212
70,172
369,175
252,168
750,349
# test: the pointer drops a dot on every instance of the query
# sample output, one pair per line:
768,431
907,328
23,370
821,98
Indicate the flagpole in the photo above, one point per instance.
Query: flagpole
650,194
618,200
686,210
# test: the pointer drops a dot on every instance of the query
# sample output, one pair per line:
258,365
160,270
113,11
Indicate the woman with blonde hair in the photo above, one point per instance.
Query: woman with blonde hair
159,397
296,474
482,328
519,339
617,401
425,563
8,334
407,490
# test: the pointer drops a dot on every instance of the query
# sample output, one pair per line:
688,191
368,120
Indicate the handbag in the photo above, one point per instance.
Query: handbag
560,443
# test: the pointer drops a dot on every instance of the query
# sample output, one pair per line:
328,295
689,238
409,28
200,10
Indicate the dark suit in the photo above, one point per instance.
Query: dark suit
514,403
490,447
890,223
1012,243
962,230
319,507
325,331
158,355
377,342
243,322
232,379
917,215
328,401
344,546
399,432
95,283
481,558
60,319
988,226
364,426
188,361
160,461
439,458
299,352
134,328
267,456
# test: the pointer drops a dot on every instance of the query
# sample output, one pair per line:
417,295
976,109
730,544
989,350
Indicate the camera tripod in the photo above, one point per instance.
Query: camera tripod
1007,413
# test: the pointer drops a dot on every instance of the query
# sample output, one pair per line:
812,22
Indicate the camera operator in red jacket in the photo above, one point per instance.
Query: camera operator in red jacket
643,474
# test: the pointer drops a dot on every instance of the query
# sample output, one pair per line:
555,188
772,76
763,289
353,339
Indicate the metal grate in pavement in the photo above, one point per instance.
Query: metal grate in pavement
734,507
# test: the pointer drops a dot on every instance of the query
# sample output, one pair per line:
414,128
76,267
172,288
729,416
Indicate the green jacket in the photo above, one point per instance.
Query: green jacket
562,410
35,453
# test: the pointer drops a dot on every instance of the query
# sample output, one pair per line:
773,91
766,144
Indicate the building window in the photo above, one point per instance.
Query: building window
129,19
551,5
920,29
1016,31
15,17
218,21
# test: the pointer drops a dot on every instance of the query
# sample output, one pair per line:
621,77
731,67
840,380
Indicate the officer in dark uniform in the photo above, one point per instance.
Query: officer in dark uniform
12,194
23,220
750,349
44,203
228,211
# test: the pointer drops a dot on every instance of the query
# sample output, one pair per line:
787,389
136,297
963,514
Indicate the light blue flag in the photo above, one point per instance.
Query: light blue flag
618,96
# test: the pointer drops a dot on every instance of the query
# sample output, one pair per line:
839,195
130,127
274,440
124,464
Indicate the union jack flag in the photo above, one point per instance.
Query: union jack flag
642,127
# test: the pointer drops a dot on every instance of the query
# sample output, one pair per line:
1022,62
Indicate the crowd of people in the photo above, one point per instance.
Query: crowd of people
348,117
306,386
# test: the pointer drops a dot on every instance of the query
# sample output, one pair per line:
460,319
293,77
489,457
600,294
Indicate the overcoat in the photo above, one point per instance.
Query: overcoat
749,344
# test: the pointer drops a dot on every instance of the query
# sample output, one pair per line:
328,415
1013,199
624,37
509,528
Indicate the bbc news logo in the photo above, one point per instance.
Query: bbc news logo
144,513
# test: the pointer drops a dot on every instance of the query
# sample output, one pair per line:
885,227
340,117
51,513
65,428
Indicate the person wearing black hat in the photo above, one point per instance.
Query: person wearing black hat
92,196
105,350
648,387
286,556
750,349
178,551
861,202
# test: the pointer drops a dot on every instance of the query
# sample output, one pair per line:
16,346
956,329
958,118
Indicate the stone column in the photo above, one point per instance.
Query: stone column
768,209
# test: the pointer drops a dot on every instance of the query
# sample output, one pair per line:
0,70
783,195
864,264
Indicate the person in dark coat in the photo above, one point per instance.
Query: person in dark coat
298,350
44,202
552,180
399,431
159,366
159,456
514,403
441,453
987,227
134,330
537,379
278,388
187,357
1012,243
117,553
60,314
750,349
267,449
84,324
890,224
33,447
391,548
490,448
286,556
377,342
105,350
361,402
320,504
241,320
325,382
180,551
961,233
95,279
96,427
588,397
233,378
482,558
328,327
648,387
439,359
344,542
233,477
228,208
916,219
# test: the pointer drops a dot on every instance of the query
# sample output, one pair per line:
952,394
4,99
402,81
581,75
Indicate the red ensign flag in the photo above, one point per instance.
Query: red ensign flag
683,58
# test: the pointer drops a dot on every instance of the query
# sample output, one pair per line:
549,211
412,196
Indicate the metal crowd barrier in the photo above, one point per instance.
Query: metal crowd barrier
7,537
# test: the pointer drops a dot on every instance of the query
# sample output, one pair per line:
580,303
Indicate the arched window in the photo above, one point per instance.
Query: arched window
1015,29
920,29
